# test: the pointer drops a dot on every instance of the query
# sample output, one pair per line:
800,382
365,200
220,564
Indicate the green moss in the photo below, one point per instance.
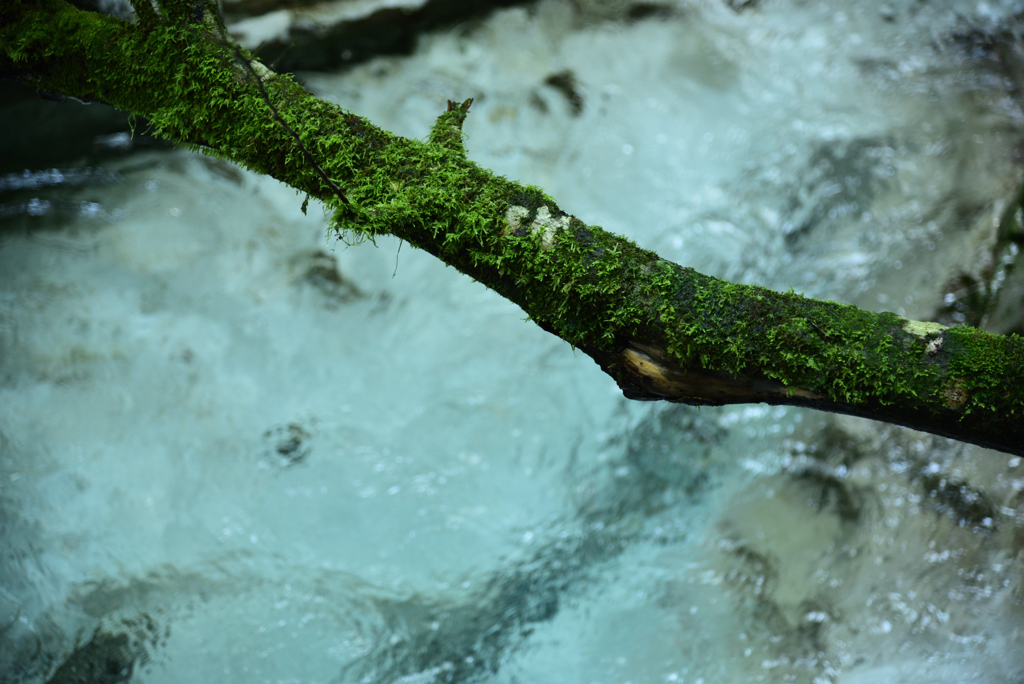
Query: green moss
989,369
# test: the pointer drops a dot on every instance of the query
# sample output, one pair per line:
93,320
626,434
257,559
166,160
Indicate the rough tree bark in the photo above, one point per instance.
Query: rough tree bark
661,330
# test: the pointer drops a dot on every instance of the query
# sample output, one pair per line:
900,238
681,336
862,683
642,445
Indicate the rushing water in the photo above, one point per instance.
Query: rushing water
232,450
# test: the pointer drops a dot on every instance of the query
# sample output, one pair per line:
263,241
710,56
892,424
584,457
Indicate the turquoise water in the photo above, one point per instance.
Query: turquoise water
263,456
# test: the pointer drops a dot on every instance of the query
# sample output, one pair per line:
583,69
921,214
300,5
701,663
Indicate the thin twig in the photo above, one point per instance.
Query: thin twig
284,124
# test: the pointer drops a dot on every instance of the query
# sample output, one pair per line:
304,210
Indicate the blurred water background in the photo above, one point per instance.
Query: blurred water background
233,449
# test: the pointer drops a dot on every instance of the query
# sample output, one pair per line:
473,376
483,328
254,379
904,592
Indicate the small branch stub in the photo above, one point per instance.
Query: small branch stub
447,130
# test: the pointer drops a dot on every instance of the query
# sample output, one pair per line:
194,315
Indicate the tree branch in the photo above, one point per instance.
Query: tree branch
660,330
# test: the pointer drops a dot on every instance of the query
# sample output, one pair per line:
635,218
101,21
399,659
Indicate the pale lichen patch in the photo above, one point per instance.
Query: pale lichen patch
514,218
548,226
923,329
544,224
934,346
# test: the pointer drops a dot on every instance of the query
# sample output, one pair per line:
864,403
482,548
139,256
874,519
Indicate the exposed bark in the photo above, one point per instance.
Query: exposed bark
660,330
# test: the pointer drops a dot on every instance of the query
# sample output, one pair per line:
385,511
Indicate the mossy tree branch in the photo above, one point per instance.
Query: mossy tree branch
660,330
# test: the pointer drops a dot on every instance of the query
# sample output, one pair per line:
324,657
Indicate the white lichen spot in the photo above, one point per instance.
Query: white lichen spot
514,217
934,346
547,225
923,329
544,223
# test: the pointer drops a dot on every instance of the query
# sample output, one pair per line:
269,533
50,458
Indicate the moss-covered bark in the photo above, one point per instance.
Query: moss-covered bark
661,330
